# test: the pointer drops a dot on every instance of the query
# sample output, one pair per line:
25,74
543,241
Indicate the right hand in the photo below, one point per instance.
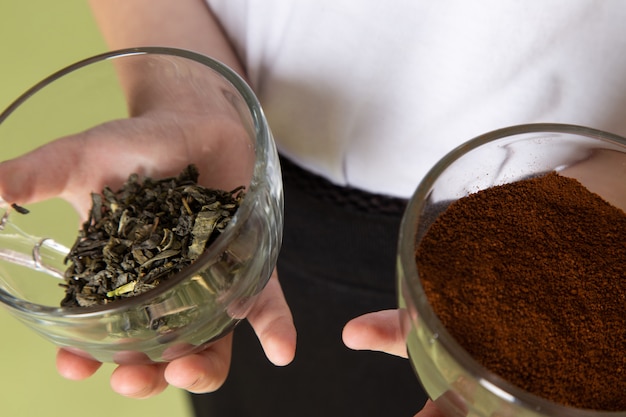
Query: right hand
155,144
204,371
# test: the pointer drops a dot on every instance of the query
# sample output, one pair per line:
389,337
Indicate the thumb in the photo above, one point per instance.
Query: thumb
37,175
379,331
74,166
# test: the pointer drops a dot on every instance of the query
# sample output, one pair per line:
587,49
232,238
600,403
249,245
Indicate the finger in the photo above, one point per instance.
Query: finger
379,331
273,323
74,367
139,381
24,180
76,165
430,410
202,372
71,168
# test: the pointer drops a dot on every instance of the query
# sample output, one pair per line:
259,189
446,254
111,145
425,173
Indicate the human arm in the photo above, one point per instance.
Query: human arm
157,140
185,24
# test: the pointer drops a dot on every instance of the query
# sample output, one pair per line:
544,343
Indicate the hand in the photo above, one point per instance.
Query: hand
205,371
157,144
381,331
154,144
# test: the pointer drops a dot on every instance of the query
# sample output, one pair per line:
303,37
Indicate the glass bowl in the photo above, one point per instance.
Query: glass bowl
189,310
451,377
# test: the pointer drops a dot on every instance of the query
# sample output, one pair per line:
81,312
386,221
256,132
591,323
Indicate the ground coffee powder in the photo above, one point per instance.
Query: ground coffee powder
530,278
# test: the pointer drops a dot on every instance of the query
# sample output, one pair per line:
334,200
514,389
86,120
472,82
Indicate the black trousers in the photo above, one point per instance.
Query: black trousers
337,262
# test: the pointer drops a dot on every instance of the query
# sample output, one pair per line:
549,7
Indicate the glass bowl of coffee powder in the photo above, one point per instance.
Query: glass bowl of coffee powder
197,236
512,275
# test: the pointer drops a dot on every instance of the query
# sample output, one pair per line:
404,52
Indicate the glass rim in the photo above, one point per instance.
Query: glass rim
406,247
263,141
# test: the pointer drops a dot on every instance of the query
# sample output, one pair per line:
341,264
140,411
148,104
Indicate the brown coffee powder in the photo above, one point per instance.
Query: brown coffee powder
530,278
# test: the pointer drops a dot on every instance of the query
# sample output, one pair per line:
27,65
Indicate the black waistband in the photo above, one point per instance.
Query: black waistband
349,197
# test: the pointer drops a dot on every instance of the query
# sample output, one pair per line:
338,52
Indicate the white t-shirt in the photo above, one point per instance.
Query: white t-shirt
372,93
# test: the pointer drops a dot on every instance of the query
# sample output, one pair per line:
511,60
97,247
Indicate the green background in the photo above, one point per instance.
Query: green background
39,37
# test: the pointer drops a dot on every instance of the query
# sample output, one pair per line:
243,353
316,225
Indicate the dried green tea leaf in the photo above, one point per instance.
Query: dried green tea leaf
142,234
20,209
203,228
159,256
123,289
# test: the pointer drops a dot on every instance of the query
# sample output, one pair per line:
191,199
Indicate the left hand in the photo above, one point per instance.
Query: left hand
381,331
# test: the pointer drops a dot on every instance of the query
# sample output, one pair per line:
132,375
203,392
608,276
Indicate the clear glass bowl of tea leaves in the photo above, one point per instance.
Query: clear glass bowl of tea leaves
162,265
512,275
